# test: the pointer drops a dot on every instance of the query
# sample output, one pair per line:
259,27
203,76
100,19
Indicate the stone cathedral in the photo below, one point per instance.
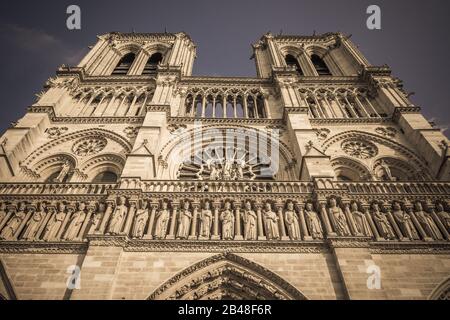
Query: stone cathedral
130,178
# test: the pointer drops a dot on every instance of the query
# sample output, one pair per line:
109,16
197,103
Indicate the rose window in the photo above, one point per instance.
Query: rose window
229,163
360,149
89,146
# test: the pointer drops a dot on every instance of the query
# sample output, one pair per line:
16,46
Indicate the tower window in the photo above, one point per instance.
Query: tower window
320,66
124,64
152,64
291,61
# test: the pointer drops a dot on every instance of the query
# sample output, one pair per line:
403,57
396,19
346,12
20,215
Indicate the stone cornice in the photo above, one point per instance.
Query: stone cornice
59,247
79,120
409,247
177,120
350,120
398,111
217,246
109,79
201,80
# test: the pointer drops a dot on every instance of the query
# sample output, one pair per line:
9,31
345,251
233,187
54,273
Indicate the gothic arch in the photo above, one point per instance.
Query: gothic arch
122,50
226,276
401,151
400,169
441,291
7,291
52,164
350,168
101,163
107,134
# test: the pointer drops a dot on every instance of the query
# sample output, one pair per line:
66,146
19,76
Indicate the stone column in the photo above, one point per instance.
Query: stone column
130,216
148,233
260,222
22,225
90,210
418,225
349,216
70,211
281,225
109,208
173,221
215,235
325,219
303,227
193,235
439,224
368,216
238,231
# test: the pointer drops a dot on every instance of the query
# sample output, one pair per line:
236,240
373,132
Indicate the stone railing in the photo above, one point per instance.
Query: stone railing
394,188
54,188
182,186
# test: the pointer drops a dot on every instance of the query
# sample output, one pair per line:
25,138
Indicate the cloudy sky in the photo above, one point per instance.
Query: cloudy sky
414,39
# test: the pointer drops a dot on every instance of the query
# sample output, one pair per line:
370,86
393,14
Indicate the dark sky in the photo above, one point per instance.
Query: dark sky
414,39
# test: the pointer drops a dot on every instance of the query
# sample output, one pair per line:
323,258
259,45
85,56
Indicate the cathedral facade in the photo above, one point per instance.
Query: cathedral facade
130,178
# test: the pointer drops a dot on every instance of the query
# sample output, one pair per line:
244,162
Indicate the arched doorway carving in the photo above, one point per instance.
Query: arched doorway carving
226,276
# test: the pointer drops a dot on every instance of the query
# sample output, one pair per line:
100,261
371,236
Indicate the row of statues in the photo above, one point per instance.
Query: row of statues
47,221
225,220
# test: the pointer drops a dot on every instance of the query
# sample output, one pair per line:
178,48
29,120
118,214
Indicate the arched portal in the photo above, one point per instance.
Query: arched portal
226,276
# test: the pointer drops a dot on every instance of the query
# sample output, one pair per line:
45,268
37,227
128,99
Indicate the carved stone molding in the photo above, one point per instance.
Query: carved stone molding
43,247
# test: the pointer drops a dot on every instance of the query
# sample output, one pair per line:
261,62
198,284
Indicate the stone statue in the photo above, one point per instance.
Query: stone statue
382,222
162,219
14,223
34,223
140,220
63,173
442,214
118,217
271,222
206,220
427,223
214,172
291,220
97,217
240,164
227,218
313,222
361,223
227,169
339,218
55,222
76,221
387,175
184,221
404,222
250,219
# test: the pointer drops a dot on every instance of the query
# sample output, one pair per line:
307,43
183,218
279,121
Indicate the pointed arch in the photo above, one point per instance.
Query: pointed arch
347,169
124,64
441,291
107,134
7,291
229,277
398,149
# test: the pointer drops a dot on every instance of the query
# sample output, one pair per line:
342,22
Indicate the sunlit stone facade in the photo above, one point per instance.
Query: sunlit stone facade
129,178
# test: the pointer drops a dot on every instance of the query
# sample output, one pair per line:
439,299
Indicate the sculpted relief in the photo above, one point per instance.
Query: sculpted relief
208,219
